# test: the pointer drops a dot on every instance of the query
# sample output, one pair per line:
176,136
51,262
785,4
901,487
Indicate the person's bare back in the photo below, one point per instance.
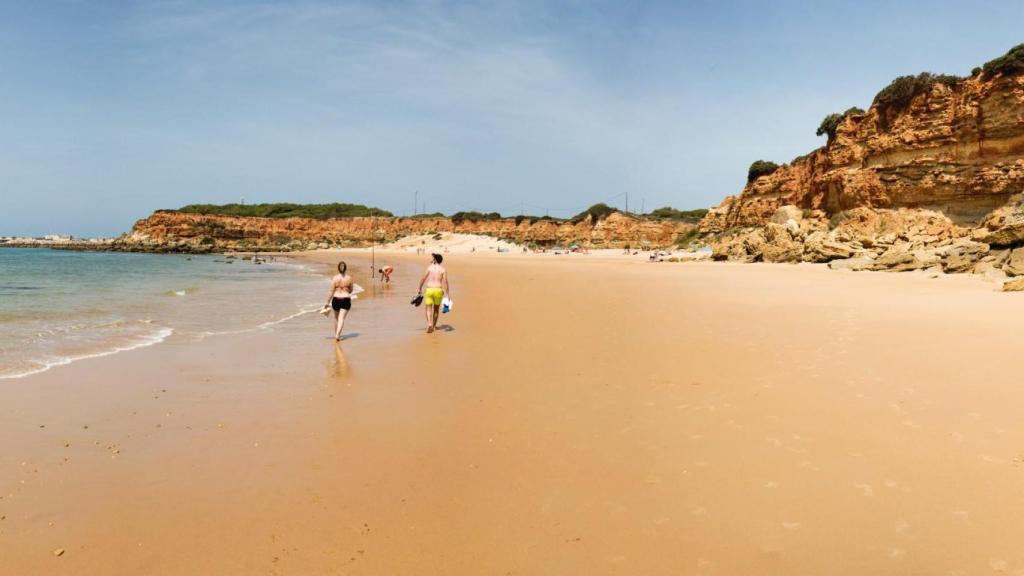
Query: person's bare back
435,281
435,277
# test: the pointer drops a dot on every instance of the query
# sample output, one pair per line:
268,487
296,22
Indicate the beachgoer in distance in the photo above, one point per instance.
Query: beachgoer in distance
385,274
340,298
436,281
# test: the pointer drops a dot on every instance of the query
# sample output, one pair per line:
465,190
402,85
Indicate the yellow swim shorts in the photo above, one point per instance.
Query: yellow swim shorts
433,296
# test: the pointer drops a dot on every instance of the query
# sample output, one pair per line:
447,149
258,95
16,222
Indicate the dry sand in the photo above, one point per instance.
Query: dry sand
577,417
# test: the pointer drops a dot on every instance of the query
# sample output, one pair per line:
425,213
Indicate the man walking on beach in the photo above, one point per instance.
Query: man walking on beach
436,281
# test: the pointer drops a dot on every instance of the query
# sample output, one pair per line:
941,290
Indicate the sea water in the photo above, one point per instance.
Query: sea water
59,306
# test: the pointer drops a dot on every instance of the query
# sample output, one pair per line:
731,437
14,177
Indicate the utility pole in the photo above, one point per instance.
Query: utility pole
627,202
415,201
520,207
642,201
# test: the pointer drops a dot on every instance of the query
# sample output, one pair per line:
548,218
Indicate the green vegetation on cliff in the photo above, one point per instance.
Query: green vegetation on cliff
669,213
1010,63
831,122
285,210
596,213
901,91
474,217
760,168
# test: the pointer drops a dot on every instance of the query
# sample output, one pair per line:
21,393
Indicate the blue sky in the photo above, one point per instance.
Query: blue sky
109,110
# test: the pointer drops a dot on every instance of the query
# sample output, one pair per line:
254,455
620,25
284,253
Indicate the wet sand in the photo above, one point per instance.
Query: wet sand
575,417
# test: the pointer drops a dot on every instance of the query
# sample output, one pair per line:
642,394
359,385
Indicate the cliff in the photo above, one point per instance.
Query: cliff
955,149
943,166
167,231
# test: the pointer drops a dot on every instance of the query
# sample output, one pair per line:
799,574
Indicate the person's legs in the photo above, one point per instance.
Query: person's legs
430,318
341,314
436,315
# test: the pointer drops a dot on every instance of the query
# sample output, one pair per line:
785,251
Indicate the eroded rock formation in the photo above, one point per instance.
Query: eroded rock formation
167,231
933,184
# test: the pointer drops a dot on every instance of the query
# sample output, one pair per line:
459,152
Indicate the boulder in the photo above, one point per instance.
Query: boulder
1014,265
900,259
1014,285
961,255
779,245
819,248
989,271
786,213
855,264
1003,226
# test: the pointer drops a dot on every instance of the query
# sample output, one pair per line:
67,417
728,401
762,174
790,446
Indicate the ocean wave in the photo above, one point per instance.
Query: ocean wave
150,340
264,326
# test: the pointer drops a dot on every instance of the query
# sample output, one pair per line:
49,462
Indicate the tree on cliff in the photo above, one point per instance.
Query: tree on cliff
760,168
831,122
596,213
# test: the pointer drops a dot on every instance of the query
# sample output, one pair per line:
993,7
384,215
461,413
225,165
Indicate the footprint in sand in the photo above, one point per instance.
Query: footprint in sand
998,564
865,489
962,516
791,525
771,484
992,459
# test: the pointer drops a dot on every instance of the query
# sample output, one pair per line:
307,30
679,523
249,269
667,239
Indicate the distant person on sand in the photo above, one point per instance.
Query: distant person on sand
385,274
436,281
340,298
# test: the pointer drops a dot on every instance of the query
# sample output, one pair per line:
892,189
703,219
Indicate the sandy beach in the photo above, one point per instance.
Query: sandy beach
575,415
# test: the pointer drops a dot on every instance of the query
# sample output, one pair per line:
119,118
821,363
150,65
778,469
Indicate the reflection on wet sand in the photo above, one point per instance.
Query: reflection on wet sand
340,368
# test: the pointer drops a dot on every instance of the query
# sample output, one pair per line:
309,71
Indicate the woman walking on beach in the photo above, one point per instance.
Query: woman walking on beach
436,281
340,298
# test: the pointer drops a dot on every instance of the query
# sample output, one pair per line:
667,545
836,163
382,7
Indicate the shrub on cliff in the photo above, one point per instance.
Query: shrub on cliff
668,213
285,210
459,217
532,219
1010,63
760,168
903,89
596,213
831,122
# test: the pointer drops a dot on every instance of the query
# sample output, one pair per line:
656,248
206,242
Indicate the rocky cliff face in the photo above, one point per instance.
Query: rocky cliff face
177,232
958,150
936,184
